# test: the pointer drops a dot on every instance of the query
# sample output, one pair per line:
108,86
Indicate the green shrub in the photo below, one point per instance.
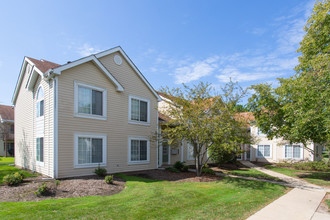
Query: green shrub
100,171
13,179
109,179
57,183
208,171
172,169
185,168
178,165
42,190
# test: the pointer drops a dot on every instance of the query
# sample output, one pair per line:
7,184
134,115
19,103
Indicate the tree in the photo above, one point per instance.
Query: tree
204,120
298,110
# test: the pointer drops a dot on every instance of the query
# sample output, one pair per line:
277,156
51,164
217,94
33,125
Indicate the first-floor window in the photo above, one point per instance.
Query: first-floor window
190,151
138,150
90,150
263,151
293,151
40,149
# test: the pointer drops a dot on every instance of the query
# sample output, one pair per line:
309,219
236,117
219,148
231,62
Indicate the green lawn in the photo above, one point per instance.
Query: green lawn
252,173
315,177
230,198
6,169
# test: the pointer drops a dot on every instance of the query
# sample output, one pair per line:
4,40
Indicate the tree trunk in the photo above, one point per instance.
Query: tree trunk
198,166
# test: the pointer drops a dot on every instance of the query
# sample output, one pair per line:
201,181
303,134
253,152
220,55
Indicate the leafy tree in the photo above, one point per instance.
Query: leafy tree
298,110
204,120
240,108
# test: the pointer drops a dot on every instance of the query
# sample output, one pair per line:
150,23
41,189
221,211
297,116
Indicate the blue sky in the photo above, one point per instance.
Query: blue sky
171,42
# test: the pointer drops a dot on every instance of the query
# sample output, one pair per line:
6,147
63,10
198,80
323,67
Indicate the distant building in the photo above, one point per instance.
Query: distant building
6,131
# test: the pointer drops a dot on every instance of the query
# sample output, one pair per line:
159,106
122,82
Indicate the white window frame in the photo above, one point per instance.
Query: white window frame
104,149
188,155
130,162
104,100
271,151
292,158
38,100
39,163
130,97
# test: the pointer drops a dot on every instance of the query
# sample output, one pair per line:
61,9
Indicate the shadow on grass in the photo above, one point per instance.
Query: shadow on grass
140,178
315,175
242,183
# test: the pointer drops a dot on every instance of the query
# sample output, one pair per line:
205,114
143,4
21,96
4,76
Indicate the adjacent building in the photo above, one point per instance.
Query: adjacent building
6,131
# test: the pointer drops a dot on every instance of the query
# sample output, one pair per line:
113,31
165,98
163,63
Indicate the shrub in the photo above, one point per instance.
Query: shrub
109,179
57,183
42,190
178,165
172,169
100,171
208,171
311,165
13,179
185,168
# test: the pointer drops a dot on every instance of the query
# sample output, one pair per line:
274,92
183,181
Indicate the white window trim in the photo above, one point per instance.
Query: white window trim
104,149
271,151
104,99
129,110
292,158
39,163
39,118
188,155
129,150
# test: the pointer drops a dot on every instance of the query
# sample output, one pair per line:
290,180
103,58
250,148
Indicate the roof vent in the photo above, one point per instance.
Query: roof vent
68,61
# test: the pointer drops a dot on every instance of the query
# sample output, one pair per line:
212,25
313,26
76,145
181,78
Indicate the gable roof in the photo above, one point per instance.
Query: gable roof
43,65
6,113
47,70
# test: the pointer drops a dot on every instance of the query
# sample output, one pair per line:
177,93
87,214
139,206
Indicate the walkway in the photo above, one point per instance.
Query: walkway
300,203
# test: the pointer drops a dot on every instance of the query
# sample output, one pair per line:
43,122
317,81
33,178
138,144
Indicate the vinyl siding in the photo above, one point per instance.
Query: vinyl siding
26,130
116,126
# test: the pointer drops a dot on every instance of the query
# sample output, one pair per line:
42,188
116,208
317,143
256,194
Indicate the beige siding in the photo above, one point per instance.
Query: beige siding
25,129
277,147
116,126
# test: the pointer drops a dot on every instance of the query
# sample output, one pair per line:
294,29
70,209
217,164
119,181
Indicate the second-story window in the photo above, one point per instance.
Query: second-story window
40,102
90,101
139,109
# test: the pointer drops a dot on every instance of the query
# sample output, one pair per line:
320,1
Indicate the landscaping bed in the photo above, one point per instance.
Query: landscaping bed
67,188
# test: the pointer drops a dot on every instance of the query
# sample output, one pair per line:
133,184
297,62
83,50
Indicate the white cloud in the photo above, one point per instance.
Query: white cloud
196,70
236,75
87,50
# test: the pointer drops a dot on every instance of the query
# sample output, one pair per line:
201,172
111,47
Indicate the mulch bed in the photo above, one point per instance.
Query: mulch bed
171,176
73,187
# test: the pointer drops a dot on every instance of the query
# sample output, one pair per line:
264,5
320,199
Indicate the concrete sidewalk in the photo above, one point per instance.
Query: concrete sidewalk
300,203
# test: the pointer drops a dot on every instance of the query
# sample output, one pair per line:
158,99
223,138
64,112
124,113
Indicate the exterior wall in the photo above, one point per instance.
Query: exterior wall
25,132
277,148
116,126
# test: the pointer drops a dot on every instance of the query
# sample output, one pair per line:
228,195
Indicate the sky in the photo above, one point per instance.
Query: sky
171,42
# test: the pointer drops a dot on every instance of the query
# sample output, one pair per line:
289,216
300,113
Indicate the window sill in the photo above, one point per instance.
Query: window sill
90,165
260,157
139,123
90,116
138,162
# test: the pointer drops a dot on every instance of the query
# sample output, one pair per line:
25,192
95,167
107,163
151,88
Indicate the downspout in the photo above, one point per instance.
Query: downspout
55,109
158,133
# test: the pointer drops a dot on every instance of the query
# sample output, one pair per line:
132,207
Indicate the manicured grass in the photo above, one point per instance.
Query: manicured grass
5,169
252,173
328,203
229,198
315,177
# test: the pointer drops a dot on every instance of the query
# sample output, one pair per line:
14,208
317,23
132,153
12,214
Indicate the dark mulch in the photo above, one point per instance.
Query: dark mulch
73,187
171,176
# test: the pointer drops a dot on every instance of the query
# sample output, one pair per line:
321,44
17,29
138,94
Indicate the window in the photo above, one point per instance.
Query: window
138,110
90,150
138,150
40,102
264,151
90,101
293,151
40,149
190,152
